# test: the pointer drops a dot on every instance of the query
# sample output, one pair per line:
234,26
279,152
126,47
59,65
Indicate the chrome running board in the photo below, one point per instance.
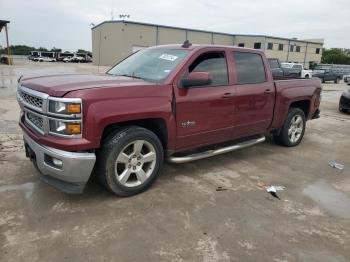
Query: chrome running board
209,153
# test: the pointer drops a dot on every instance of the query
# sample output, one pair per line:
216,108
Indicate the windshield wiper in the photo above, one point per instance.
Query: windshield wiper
132,76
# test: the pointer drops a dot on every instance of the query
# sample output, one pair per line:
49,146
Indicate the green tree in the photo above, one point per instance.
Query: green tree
83,51
336,56
57,50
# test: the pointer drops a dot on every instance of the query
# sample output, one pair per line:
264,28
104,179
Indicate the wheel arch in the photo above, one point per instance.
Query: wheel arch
303,105
156,125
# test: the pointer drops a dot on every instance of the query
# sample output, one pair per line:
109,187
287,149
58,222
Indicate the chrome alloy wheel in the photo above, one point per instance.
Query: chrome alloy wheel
135,163
295,128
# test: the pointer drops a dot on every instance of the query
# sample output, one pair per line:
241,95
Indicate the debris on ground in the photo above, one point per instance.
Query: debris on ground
262,185
273,191
219,188
336,165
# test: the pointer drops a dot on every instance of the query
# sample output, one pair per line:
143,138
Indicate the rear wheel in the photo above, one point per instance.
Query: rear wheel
129,161
293,129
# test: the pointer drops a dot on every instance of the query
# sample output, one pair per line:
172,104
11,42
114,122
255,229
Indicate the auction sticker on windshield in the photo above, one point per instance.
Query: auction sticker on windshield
168,57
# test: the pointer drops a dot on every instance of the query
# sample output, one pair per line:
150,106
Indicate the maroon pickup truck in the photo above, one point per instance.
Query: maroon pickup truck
174,102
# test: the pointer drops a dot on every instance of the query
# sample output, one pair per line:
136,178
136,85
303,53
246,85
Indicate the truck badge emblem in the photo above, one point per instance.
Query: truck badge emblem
188,123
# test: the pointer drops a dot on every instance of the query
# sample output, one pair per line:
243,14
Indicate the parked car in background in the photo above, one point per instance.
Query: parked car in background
77,59
174,102
296,68
327,75
346,78
67,59
344,102
44,59
287,71
276,68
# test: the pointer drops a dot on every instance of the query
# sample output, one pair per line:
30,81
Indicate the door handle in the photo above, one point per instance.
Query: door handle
227,95
268,91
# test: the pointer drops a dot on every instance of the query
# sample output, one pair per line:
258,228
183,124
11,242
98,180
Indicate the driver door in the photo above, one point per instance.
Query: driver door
204,114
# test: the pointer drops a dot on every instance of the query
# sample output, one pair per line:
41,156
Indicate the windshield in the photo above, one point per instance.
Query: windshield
153,65
297,67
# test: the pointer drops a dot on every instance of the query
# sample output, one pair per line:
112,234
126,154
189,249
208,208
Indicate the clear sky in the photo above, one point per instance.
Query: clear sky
66,23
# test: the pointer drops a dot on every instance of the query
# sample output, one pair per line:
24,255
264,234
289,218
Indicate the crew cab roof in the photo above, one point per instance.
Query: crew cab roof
193,47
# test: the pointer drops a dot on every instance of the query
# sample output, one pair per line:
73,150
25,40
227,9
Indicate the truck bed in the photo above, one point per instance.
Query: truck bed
290,90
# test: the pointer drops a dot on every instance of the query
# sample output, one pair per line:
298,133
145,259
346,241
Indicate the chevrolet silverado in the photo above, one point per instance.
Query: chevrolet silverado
175,102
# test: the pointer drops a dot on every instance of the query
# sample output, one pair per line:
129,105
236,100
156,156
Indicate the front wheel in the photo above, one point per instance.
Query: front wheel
293,129
130,160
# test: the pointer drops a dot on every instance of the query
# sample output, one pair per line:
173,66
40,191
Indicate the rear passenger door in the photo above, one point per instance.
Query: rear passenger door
255,94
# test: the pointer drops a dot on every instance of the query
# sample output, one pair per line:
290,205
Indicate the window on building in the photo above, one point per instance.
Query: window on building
249,68
318,50
257,45
270,46
291,48
297,49
241,44
280,47
213,63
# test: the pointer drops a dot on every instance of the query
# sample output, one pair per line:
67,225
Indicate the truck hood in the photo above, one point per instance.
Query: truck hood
59,85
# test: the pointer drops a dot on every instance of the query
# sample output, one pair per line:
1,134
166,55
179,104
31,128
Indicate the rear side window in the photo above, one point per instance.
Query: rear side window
249,68
274,63
213,63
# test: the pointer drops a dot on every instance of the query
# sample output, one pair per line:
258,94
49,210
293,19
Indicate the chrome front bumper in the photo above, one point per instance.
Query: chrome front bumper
72,172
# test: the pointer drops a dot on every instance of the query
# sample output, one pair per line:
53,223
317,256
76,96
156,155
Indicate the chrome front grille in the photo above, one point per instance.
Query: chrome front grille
31,99
35,120
34,105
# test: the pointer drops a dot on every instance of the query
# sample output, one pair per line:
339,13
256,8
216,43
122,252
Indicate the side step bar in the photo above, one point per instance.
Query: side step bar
209,153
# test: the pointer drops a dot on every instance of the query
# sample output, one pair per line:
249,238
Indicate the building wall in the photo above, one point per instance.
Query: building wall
198,37
170,36
249,41
223,39
112,42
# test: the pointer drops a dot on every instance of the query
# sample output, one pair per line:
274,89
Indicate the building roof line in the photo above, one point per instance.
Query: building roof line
203,31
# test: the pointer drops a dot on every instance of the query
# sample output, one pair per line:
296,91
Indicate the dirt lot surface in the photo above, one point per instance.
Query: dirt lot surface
185,216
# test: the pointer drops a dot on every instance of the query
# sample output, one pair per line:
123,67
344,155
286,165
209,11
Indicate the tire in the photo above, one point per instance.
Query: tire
285,136
123,152
342,110
323,81
336,81
307,76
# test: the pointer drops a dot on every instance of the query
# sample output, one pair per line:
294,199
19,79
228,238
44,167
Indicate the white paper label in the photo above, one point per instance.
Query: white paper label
168,57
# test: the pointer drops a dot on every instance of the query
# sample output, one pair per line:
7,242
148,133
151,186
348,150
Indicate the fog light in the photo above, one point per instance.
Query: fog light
53,162
57,162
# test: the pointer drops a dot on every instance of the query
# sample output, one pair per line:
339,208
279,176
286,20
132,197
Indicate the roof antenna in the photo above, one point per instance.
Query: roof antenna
186,44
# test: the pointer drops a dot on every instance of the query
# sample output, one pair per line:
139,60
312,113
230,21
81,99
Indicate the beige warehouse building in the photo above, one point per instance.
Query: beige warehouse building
114,40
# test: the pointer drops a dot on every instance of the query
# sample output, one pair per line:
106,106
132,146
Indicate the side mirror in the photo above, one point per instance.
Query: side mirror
196,79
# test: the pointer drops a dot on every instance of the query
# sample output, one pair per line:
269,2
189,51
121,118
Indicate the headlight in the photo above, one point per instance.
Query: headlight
71,107
65,128
346,93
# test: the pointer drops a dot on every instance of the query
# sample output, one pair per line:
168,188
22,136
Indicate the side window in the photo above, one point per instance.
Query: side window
214,63
249,68
274,63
